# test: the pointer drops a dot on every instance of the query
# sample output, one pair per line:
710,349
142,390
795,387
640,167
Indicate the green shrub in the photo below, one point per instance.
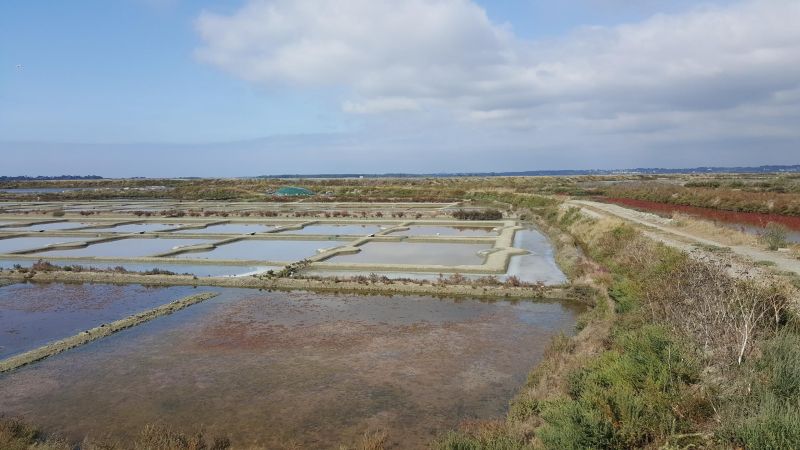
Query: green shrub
772,425
770,417
571,425
627,397
570,217
780,365
487,440
775,236
625,294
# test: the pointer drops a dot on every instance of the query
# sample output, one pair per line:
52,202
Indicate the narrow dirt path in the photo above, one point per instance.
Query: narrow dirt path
658,228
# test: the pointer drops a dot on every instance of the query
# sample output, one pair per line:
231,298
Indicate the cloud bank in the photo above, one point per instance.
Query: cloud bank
734,65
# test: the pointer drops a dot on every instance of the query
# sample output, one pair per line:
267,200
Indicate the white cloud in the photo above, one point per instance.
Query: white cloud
669,74
381,105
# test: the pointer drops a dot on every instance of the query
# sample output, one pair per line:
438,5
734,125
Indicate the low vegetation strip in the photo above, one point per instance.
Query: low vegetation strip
757,219
786,204
104,330
453,286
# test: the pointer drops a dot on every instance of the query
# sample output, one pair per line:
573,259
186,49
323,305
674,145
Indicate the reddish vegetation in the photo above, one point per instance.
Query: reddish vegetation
755,219
723,199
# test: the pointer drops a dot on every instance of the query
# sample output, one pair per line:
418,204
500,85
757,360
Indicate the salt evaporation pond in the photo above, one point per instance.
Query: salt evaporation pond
56,226
353,229
433,230
30,243
200,270
419,253
232,228
264,250
136,228
32,314
127,248
269,369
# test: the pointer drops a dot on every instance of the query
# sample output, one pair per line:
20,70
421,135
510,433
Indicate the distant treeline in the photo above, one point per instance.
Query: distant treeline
54,178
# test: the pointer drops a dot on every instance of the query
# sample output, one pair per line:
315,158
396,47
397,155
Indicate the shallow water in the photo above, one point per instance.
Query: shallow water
31,315
537,266
127,248
317,370
44,190
200,270
792,236
49,226
264,250
421,253
136,228
30,243
430,230
233,228
353,229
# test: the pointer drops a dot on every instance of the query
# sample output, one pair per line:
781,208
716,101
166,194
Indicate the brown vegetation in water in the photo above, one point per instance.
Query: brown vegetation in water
17,435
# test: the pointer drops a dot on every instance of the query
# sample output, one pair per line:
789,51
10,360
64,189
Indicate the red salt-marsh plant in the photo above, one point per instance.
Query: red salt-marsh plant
748,218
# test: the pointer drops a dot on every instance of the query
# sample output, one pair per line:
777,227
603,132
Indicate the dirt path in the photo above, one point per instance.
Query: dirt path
658,228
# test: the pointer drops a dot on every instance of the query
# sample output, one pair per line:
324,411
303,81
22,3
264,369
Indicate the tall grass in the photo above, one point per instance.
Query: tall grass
17,435
632,395
769,417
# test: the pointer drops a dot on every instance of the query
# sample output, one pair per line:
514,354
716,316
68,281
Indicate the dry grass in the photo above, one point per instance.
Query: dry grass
375,440
17,435
710,230
794,250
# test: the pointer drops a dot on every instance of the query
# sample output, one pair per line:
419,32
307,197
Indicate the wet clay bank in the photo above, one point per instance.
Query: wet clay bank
272,368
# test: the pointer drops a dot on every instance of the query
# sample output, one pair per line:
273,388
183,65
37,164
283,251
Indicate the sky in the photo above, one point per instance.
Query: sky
225,88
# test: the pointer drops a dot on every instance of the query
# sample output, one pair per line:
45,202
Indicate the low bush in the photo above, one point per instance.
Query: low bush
485,214
485,436
631,396
768,417
775,236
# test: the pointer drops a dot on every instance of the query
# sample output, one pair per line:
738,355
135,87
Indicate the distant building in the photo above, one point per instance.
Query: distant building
293,191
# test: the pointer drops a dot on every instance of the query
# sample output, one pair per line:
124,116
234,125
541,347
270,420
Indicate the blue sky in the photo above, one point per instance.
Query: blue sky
248,87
